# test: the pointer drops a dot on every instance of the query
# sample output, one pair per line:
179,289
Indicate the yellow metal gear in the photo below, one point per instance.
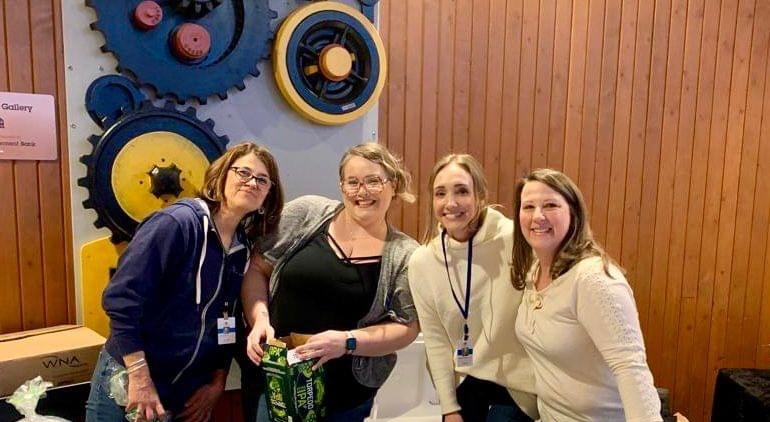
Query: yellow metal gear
131,173
333,64
96,259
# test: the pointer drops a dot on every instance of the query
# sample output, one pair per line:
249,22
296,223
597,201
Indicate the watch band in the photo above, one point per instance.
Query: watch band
350,343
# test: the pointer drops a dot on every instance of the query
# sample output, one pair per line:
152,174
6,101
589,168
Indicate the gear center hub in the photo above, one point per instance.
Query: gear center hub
191,42
335,62
165,181
148,14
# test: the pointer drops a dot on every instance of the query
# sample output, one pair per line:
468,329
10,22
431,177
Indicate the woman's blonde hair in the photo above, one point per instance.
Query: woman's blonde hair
473,168
256,223
395,171
578,243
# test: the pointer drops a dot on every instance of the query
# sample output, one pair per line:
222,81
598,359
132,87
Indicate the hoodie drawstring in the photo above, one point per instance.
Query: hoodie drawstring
203,251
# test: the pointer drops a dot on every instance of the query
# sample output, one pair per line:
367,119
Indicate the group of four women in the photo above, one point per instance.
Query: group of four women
523,319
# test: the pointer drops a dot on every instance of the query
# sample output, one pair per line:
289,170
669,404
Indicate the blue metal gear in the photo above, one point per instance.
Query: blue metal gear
195,8
111,96
367,8
100,163
304,48
240,38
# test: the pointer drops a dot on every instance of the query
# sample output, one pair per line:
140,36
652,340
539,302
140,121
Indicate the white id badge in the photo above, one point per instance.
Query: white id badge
464,353
226,330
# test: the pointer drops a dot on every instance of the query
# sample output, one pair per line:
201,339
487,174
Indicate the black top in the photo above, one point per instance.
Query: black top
319,291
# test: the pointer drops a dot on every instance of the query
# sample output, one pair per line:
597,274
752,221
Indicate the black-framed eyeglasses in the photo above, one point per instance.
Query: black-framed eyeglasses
245,175
372,184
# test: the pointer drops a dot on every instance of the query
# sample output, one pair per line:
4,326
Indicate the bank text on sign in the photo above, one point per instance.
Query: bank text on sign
27,127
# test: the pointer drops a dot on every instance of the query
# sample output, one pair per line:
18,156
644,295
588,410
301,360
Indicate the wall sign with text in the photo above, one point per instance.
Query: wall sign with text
27,127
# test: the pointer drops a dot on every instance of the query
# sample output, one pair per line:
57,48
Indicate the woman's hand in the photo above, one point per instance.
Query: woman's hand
453,417
143,396
261,332
200,406
325,346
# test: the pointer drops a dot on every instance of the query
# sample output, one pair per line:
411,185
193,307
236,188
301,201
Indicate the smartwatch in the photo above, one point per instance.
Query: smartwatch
350,343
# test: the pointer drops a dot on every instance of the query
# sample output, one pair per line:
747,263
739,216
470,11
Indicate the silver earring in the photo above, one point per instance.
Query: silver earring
261,210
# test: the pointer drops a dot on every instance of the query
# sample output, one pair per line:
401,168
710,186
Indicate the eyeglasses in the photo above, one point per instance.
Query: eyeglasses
245,175
372,184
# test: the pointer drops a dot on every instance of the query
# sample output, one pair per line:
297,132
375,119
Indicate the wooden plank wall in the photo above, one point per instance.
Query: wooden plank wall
36,278
657,108
660,110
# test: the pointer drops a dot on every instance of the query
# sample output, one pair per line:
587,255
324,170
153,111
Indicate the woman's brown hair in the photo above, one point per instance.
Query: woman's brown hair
578,243
256,223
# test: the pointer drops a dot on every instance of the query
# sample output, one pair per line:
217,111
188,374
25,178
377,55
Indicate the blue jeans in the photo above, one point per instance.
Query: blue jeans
356,414
100,407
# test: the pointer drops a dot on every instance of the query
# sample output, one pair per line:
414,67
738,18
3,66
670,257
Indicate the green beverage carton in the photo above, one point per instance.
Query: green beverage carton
295,392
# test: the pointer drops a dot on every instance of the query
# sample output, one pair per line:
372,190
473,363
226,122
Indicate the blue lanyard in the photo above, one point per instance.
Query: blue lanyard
466,309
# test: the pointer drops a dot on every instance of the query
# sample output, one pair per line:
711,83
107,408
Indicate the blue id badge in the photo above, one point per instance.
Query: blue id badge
464,353
226,330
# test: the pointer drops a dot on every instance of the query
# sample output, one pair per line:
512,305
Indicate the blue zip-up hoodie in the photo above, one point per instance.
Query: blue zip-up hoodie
165,298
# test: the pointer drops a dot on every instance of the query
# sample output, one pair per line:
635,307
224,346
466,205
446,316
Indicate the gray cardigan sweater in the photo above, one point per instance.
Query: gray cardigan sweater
300,220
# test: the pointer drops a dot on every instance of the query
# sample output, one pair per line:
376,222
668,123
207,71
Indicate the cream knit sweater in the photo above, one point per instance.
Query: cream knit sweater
497,357
582,332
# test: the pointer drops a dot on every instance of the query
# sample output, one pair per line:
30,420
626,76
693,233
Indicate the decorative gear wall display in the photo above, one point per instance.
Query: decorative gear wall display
111,96
329,62
195,8
147,159
186,48
367,8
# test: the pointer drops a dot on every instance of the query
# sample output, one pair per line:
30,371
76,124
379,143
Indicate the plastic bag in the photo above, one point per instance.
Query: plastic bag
25,399
118,383
118,388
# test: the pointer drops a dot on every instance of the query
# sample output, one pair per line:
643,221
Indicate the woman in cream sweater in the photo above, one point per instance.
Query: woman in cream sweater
577,320
466,304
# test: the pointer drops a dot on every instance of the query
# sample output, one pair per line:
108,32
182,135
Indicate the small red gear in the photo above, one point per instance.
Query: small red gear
147,15
191,42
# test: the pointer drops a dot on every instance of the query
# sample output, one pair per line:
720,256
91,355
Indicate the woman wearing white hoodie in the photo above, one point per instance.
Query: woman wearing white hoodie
461,283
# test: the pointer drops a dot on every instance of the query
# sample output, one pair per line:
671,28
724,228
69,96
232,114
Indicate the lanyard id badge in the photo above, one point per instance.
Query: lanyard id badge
464,350
464,353
225,328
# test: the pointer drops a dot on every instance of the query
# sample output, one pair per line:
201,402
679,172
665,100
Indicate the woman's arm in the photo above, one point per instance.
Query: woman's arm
382,339
606,309
254,295
154,251
438,346
153,256
375,340
439,350
142,394
142,266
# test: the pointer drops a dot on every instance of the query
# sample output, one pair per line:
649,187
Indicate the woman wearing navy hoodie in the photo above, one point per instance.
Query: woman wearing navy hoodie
178,279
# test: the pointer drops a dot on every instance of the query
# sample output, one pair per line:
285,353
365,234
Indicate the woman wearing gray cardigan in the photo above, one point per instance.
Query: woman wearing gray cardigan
337,270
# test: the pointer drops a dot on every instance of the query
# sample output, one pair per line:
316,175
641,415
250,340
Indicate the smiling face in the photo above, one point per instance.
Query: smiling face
454,201
365,204
544,218
244,197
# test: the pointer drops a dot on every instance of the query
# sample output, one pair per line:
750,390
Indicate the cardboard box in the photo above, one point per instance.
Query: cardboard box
295,392
63,355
